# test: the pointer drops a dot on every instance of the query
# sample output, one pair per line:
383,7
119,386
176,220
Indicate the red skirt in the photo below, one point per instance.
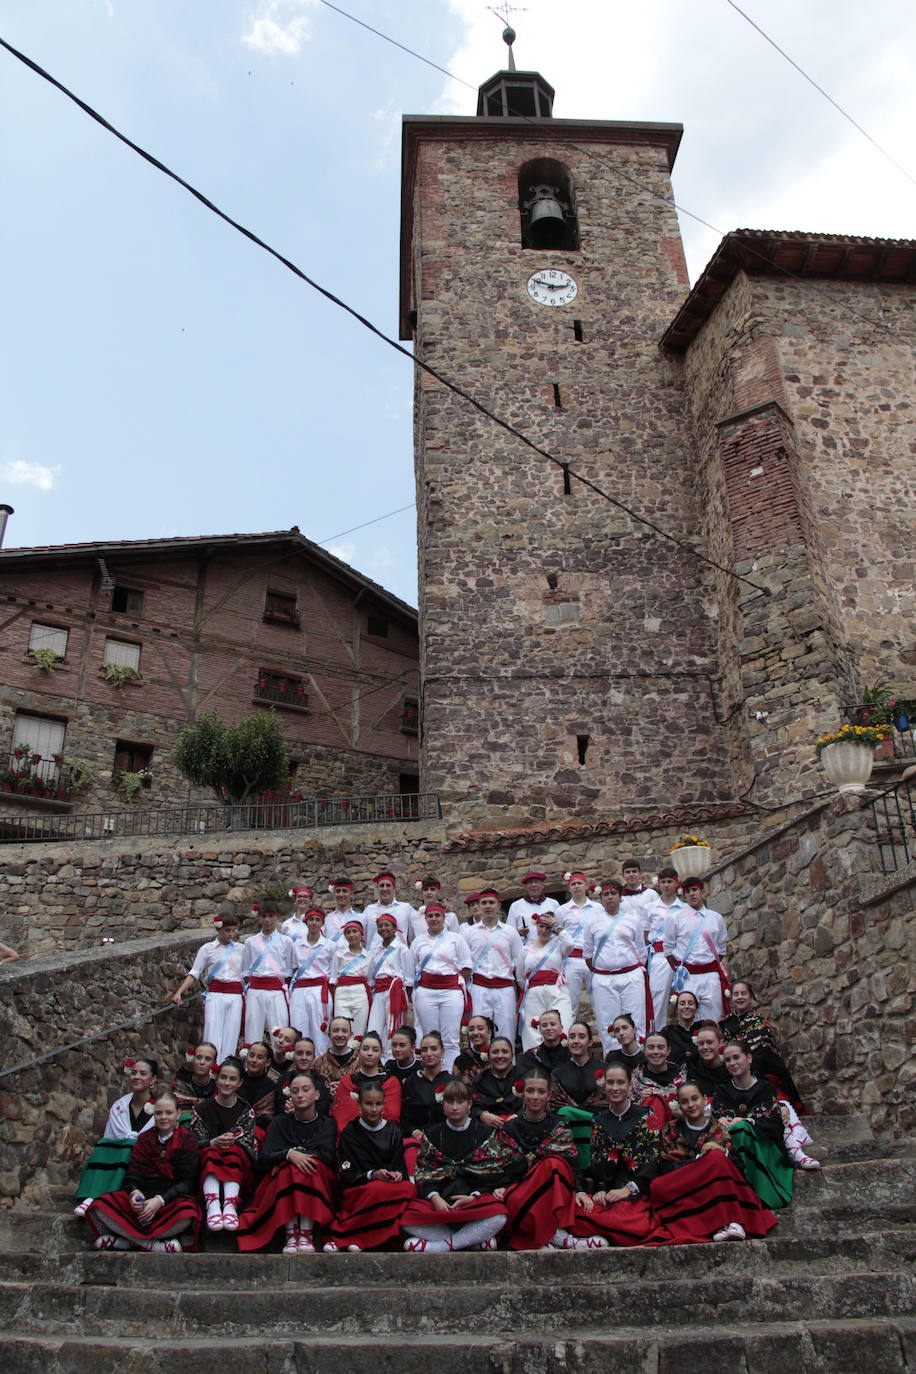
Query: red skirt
286,1193
112,1214
623,1223
232,1165
698,1199
421,1212
370,1215
540,1203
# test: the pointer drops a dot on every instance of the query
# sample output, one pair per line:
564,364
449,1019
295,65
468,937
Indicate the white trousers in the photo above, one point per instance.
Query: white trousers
222,1022
352,1001
441,1009
378,1020
575,971
661,975
613,993
707,989
545,997
307,1013
264,1009
499,1004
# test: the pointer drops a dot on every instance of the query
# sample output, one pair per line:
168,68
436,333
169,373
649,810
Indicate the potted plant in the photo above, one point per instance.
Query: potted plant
878,707
117,674
79,772
129,783
45,659
847,754
691,856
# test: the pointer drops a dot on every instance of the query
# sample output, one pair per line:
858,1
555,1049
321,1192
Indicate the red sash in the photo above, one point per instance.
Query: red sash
543,977
483,981
266,984
658,946
440,981
217,985
574,954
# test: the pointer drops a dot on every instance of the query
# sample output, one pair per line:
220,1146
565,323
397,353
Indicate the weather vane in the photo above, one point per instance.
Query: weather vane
502,12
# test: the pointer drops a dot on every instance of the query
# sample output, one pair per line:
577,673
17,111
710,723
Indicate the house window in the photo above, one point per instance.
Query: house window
130,757
37,747
281,690
281,608
120,652
48,637
127,601
410,717
377,625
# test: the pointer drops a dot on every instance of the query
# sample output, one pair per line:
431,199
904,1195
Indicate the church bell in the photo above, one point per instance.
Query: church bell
546,225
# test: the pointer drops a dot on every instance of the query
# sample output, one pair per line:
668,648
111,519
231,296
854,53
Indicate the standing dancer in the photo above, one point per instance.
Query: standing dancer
390,981
442,965
540,973
294,925
662,929
310,1005
218,967
350,976
615,951
700,953
523,913
495,953
574,917
267,966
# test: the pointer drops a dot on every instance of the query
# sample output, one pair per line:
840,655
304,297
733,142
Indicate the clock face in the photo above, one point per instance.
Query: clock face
550,286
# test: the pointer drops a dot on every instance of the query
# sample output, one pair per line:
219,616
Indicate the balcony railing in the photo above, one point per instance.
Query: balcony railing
286,694
898,744
262,813
893,818
29,775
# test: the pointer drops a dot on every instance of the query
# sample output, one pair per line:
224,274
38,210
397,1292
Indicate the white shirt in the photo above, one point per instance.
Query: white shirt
334,924
278,962
212,954
319,966
418,927
663,923
402,913
623,946
524,913
495,953
294,926
391,961
707,923
574,918
538,958
349,964
448,953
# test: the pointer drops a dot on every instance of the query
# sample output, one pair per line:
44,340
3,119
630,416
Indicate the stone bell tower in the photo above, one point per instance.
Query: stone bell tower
568,652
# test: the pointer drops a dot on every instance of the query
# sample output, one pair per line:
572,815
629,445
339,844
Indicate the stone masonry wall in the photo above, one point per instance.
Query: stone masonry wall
827,943
568,655
52,1114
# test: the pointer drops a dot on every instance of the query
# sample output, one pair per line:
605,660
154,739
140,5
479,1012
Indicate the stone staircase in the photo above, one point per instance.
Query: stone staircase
830,1292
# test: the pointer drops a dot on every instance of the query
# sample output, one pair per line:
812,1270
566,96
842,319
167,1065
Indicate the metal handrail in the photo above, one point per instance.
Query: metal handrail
261,813
893,822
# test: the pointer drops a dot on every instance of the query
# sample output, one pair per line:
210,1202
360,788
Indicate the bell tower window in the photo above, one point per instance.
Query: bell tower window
546,202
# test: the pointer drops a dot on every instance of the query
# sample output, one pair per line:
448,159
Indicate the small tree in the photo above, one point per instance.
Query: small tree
234,760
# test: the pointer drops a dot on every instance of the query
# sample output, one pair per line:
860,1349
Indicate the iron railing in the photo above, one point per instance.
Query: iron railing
259,814
29,775
893,819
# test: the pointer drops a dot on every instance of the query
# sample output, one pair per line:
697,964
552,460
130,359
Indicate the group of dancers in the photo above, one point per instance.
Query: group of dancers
637,1130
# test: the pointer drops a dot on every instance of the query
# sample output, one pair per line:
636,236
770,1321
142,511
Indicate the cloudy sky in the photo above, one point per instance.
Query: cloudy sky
161,376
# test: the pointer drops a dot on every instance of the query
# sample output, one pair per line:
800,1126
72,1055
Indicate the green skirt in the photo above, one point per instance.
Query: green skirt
105,1168
580,1125
764,1166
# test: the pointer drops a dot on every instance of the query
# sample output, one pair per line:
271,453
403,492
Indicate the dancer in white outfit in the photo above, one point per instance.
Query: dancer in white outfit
700,954
495,952
303,898
267,966
442,966
661,937
387,904
342,891
430,890
540,974
615,950
350,976
390,982
310,1001
523,913
218,968
574,917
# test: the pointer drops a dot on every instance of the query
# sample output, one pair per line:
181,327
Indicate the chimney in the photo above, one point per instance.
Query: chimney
5,513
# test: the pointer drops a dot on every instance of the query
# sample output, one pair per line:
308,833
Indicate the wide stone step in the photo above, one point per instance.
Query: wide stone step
837,1130
778,1255
812,1347
437,1307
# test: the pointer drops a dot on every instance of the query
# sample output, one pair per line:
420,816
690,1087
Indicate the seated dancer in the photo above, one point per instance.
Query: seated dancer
656,1082
628,1052
701,1194
368,1070
258,1085
303,1062
624,1160
709,1071
403,1061
493,1095
421,1091
350,977
541,1204
340,1056
390,981
310,986
196,1080
679,1032
746,1023
552,1050
131,1114
472,1061
577,1088
749,1109
156,1204
218,968
540,975
460,1159
301,1152
373,1177
224,1125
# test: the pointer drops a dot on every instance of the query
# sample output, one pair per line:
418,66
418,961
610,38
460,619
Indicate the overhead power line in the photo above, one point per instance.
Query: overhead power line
374,329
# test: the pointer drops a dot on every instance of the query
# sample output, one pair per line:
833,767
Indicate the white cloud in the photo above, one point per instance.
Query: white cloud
345,552
278,28
22,474
381,558
388,123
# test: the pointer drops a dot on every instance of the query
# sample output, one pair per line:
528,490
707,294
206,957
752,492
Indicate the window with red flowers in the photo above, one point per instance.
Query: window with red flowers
281,608
279,689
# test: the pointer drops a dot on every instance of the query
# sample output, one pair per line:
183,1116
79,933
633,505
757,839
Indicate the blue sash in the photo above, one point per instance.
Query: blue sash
218,967
303,969
260,959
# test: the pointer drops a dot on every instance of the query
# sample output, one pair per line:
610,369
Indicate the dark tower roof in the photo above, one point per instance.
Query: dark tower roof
508,93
